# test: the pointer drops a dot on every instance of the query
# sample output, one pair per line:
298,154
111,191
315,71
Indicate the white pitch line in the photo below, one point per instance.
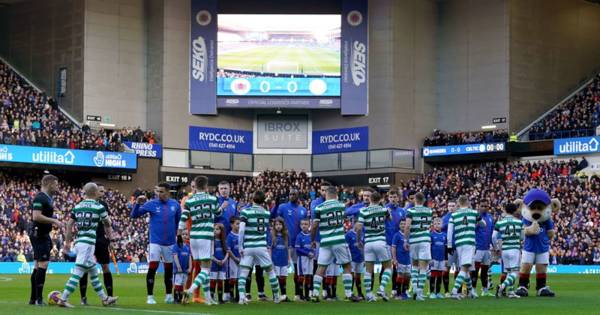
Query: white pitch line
141,310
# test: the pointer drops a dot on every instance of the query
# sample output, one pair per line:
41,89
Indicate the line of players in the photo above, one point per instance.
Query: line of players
328,242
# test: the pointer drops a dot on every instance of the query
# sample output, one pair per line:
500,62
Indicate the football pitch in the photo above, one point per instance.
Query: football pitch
576,294
314,61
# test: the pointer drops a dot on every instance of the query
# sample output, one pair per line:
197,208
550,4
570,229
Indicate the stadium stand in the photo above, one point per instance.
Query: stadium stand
577,117
577,241
29,117
276,186
439,138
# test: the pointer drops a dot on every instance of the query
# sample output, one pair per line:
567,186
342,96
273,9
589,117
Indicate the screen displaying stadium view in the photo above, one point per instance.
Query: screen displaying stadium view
278,55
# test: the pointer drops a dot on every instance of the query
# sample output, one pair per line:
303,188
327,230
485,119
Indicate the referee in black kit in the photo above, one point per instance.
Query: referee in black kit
102,254
43,212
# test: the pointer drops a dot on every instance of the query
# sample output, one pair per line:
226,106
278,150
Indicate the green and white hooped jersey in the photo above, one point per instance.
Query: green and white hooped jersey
257,225
421,218
330,215
373,219
88,215
465,222
511,232
202,208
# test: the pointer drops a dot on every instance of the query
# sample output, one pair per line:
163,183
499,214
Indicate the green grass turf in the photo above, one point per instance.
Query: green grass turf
576,294
289,60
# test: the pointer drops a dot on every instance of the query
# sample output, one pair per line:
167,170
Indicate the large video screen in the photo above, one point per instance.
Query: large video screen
278,55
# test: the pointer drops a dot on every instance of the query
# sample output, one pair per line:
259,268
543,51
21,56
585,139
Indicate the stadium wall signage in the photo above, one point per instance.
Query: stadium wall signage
220,140
176,178
142,268
282,132
203,54
146,150
475,148
355,56
340,140
585,145
67,157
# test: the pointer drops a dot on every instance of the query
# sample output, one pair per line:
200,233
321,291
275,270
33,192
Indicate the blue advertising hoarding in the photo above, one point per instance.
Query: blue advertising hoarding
67,268
15,268
475,148
67,157
340,140
203,55
585,145
355,56
146,150
267,86
220,140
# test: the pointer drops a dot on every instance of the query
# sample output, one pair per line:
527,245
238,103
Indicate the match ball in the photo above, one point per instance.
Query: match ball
53,297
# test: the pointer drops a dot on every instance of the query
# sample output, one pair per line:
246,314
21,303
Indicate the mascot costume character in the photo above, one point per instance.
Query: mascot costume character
536,211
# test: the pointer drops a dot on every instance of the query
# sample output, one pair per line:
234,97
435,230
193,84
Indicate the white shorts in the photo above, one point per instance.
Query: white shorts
201,249
333,270
256,256
483,256
358,267
452,260
340,252
281,271
510,259
420,251
465,255
180,279
438,265
305,266
85,255
377,252
217,275
232,269
160,253
403,268
535,258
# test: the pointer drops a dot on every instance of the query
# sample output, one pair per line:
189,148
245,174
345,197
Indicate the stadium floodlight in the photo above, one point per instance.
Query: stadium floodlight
107,125
486,127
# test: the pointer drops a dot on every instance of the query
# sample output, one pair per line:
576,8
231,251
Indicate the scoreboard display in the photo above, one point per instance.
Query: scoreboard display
475,148
264,58
278,55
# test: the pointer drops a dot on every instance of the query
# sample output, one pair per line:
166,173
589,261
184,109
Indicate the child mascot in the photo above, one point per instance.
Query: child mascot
536,210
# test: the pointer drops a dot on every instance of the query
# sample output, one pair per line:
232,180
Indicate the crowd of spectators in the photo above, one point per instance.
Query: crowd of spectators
16,194
577,240
577,117
131,134
439,138
29,117
276,186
